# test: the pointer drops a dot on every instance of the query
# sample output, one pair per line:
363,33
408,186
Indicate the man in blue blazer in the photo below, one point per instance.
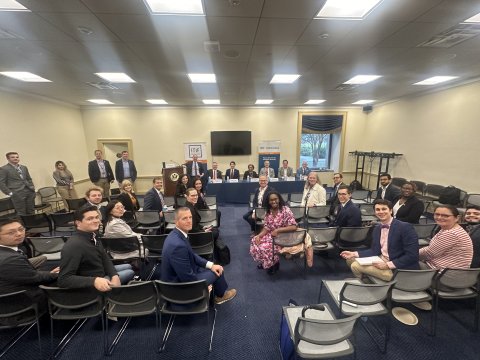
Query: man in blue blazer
346,213
181,264
125,169
303,171
394,241
195,168
232,173
153,199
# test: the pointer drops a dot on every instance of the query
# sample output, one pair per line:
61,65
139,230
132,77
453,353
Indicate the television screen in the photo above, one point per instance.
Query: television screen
231,142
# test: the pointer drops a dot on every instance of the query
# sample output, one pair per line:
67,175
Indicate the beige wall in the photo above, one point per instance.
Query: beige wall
437,133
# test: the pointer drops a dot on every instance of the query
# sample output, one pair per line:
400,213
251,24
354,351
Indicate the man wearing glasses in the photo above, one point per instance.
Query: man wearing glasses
346,213
337,182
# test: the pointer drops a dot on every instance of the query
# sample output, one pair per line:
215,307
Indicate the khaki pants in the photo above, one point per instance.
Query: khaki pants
360,270
104,184
66,193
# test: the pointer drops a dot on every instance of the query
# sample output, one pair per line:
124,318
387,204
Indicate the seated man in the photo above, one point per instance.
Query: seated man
232,173
387,190
285,170
472,218
84,262
214,173
346,213
267,170
94,197
259,200
303,171
395,242
153,199
16,272
192,199
181,264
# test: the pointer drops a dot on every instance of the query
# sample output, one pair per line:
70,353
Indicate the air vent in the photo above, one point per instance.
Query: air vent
453,36
103,85
211,46
346,87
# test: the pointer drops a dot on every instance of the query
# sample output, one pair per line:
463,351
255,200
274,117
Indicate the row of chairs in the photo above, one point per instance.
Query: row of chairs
127,301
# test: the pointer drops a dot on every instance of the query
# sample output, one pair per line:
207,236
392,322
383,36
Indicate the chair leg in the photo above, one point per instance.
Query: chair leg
171,320
118,336
320,292
66,339
16,338
213,327
477,309
435,315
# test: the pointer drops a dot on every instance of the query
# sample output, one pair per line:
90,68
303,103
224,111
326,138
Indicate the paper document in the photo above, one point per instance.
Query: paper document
368,260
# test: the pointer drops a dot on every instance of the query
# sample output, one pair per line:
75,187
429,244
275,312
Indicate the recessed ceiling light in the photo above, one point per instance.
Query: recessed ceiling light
211,101
284,78
362,79
185,7
435,80
363,102
203,78
24,76
115,77
100,101
157,101
347,9
11,5
263,101
314,102
473,19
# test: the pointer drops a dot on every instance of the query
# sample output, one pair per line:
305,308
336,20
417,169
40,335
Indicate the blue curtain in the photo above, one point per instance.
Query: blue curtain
322,123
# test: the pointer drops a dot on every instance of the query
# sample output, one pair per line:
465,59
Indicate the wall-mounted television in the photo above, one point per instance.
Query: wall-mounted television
231,142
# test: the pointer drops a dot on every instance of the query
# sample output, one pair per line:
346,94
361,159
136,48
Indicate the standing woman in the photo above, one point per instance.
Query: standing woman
127,197
65,183
313,193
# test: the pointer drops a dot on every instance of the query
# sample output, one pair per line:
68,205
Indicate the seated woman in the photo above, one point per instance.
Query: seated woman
118,228
407,207
313,193
127,197
279,218
181,189
250,172
201,203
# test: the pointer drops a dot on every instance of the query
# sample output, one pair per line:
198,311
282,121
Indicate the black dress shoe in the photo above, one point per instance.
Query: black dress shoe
273,269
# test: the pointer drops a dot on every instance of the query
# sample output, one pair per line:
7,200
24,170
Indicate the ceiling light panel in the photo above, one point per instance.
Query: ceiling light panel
211,101
314,102
179,7
11,5
362,79
347,9
435,80
203,78
473,19
284,78
116,77
363,102
24,76
263,101
100,101
157,101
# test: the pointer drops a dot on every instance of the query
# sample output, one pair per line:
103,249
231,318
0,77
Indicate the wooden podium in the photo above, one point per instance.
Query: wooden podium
170,178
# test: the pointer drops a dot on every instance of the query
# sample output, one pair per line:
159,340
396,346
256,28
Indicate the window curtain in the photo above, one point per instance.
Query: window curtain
321,123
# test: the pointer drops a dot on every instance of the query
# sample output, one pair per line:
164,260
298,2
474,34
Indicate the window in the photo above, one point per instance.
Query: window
315,149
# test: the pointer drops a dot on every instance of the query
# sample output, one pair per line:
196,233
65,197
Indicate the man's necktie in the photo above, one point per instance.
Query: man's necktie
214,174
19,170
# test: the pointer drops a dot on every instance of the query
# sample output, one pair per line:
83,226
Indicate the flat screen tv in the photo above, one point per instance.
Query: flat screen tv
231,142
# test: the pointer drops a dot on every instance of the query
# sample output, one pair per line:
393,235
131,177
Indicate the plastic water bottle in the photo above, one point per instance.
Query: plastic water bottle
209,180
248,178
228,178
165,208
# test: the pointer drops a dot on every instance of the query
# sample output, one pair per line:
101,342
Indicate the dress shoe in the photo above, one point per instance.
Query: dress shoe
227,296
273,269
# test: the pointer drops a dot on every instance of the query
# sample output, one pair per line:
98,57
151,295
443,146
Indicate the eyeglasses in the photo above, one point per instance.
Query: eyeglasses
21,229
442,215
342,194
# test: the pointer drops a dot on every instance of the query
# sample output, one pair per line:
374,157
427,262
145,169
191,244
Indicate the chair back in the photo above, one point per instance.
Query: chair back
51,247
367,209
15,304
211,200
458,278
360,194
122,245
181,201
202,243
298,213
37,223
472,199
290,238
6,207
169,200
73,299
433,190
414,280
318,213
147,217
137,295
63,222
115,191
48,193
154,244
322,236
183,293
420,186
398,181
285,197
260,213
296,197
129,217
366,294
424,231
207,216
353,237
75,204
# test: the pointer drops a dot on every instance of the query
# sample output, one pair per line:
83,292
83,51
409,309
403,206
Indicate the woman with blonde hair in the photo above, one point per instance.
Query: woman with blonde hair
127,197
313,193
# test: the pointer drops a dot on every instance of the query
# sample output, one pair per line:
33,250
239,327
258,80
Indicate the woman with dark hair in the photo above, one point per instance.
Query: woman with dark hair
201,202
250,172
279,218
181,189
127,197
407,207
65,183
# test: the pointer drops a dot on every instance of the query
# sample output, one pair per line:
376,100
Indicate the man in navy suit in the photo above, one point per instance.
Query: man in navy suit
194,169
232,173
387,190
100,172
125,169
153,199
346,213
259,200
181,264
394,241
303,171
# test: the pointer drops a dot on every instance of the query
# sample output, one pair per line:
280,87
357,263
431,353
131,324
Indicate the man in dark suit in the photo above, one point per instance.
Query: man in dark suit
337,182
100,172
232,173
181,264
125,169
472,218
346,213
259,200
195,168
395,242
153,199
303,171
387,190
16,272
214,173
15,182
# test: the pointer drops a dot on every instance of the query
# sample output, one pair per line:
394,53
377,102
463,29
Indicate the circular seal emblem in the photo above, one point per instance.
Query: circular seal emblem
174,176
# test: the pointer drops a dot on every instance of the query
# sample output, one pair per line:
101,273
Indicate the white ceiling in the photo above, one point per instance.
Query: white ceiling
269,36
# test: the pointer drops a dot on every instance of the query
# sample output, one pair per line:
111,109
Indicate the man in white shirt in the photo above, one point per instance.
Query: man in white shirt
285,170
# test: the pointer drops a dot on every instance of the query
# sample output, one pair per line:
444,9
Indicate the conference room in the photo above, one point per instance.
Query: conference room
161,107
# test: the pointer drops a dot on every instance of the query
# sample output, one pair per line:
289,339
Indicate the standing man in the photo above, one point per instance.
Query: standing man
100,172
214,173
181,264
303,171
285,170
394,241
259,200
125,169
15,182
232,173
346,213
154,198
472,218
194,169
84,262
267,170
387,190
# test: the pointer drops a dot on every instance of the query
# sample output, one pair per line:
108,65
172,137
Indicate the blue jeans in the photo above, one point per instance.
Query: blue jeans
125,272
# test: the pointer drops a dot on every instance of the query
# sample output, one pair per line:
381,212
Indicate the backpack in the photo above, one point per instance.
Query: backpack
356,185
222,252
450,195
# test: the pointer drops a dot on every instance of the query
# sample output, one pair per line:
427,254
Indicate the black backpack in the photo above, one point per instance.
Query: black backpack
222,252
450,195
356,185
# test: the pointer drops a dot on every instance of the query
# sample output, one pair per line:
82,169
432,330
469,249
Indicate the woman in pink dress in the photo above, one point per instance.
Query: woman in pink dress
279,218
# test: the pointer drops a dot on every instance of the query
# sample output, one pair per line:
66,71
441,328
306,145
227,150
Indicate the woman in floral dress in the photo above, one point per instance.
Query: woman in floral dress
279,218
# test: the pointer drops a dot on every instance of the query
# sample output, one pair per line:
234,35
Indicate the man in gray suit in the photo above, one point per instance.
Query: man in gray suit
15,182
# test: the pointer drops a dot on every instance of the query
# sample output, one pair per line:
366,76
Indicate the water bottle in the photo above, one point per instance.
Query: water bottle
209,180
248,178
228,178
165,208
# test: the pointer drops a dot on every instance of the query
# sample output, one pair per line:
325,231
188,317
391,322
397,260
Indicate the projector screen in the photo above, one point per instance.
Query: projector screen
231,142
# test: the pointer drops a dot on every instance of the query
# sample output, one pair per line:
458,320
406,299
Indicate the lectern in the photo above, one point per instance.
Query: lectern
170,178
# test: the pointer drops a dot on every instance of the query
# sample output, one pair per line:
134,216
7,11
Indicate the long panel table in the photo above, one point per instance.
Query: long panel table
239,193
